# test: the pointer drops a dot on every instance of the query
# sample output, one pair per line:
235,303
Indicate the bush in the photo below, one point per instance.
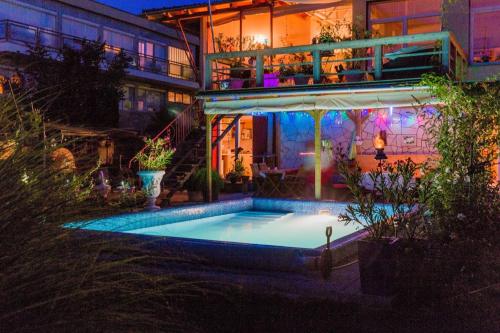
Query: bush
58,279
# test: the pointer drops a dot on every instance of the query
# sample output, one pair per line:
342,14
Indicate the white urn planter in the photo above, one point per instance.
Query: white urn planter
151,181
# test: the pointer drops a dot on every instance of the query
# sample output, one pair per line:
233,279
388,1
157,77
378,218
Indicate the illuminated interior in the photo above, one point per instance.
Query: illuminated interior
243,134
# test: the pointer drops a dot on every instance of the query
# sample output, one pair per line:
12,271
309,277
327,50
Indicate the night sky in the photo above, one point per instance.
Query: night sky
136,6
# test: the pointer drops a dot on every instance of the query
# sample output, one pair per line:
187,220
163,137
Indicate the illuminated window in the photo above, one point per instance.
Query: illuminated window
404,17
178,97
179,65
485,39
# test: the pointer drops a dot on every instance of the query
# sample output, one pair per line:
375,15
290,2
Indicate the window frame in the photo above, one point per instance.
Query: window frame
473,12
397,19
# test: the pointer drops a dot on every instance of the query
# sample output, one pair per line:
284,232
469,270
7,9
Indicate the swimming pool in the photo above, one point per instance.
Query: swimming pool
270,234
256,227
274,222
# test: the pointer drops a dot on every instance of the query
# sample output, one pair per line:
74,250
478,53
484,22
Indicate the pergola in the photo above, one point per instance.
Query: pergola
316,102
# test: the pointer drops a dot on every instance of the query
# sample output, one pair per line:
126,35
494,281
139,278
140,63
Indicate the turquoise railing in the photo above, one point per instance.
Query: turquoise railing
377,59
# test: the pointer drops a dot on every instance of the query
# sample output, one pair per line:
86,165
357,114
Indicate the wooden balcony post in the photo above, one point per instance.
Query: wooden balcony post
259,70
317,116
445,53
316,66
378,62
208,154
208,73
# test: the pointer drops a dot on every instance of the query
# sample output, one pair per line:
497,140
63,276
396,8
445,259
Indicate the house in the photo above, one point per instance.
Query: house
160,77
287,81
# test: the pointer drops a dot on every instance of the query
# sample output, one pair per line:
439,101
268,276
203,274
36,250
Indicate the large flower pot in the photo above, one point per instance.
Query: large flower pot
377,266
271,80
300,79
151,187
355,76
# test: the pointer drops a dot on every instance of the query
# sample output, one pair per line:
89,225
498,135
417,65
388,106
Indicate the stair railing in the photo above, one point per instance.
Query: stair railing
178,129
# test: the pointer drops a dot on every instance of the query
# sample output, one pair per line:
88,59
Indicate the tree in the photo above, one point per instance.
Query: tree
79,86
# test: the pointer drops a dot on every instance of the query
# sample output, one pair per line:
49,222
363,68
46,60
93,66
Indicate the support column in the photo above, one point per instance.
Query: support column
236,140
208,154
317,116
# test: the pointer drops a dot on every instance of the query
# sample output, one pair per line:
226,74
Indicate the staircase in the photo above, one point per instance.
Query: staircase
188,158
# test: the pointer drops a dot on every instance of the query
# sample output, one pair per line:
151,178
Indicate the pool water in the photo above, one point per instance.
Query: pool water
256,227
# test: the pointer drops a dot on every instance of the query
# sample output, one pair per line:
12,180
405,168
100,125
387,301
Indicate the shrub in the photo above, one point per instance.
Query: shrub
156,156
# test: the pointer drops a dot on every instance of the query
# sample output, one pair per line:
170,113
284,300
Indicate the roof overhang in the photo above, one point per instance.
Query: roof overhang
333,99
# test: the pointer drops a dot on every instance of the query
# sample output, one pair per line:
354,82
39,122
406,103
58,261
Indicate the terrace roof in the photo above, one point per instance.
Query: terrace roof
322,98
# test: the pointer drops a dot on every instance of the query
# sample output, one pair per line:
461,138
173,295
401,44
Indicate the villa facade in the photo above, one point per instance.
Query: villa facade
286,82
160,77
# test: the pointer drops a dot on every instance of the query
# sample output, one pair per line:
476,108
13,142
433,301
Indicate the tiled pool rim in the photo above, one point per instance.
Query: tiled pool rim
229,253
145,219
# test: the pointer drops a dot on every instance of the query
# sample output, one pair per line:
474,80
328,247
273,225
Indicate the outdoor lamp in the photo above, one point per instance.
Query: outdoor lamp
379,144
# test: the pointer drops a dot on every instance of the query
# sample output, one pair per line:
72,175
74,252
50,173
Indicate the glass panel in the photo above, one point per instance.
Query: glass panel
171,96
3,29
21,33
484,3
118,40
388,29
256,31
401,8
79,29
424,25
186,99
486,39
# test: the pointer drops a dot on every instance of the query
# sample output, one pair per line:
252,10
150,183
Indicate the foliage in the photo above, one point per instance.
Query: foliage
59,279
80,86
464,199
198,181
156,155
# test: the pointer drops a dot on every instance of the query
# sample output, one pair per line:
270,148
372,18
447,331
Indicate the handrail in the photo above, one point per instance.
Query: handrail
55,40
372,53
178,129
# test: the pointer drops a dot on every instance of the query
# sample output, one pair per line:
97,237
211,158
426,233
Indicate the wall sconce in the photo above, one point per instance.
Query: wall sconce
379,144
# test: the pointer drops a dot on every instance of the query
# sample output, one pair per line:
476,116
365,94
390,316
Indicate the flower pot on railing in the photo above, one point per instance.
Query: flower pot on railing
354,75
271,80
236,83
151,181
300,79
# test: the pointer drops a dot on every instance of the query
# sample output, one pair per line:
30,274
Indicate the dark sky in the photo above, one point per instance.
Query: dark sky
136,6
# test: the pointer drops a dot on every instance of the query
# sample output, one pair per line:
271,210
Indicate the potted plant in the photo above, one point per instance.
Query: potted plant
193,189
235,175
200,183
153,160
303,69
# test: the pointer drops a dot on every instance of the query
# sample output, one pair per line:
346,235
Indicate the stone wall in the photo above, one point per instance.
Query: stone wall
405,135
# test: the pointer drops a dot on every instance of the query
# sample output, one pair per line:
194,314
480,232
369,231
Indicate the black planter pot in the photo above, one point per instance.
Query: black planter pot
378,266
215,196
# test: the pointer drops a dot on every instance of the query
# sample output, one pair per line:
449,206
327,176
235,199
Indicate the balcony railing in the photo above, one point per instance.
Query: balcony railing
400,58
24,34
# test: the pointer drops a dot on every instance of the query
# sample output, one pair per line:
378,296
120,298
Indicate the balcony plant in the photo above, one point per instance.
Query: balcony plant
226,44
198,182
153,160
236,174
387,213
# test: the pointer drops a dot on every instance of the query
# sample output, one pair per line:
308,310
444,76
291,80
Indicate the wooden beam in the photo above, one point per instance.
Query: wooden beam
208,154
317,116
226,130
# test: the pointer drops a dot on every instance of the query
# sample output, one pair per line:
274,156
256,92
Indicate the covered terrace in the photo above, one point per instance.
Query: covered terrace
358,104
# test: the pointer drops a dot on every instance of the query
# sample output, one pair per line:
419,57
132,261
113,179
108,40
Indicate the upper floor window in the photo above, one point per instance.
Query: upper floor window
404,17
117,40
77,28
485,39
151,56
179,65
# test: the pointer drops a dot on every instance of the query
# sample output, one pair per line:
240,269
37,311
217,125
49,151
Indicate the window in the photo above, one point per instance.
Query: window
29,16
117,40
179,65
404,17
485,39
128,100
79,29
178,97
151,57
150,100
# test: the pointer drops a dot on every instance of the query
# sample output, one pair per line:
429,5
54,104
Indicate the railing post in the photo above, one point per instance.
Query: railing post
208,73
378,62
316,66
445,53
259,70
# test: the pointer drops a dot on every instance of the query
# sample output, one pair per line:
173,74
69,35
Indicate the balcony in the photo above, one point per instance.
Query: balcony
23,36
388,60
